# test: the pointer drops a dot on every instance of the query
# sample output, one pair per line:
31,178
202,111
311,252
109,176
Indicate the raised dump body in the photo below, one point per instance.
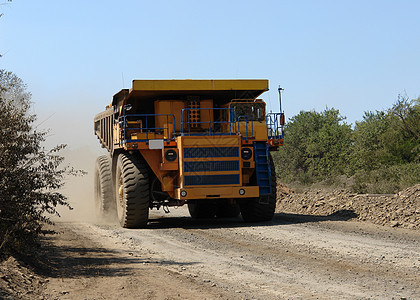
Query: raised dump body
204,143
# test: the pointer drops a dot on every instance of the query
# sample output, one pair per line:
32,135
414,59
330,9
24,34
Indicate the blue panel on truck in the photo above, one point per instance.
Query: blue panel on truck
262,167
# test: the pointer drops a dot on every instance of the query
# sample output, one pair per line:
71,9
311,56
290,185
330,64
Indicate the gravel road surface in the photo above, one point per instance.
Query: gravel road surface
292,257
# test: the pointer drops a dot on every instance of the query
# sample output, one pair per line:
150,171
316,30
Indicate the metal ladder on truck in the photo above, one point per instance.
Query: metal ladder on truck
263,170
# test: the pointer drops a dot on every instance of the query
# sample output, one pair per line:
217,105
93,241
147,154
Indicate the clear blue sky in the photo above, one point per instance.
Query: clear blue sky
351,55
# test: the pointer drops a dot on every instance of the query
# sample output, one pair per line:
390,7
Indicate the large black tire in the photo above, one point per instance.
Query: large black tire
202,209
258,209
226,209
132,191
104,191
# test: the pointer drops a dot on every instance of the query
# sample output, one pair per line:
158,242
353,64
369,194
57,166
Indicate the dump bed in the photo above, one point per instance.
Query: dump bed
220,90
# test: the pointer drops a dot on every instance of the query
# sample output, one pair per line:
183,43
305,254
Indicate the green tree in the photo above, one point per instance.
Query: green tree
386,150
369,136
406,115
30,176
388,137
317,146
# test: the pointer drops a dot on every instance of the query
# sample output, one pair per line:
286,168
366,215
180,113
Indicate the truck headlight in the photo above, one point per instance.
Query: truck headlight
170,155
246,153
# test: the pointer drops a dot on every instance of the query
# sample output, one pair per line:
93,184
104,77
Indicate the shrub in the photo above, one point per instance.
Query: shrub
380,155
30,176
317,146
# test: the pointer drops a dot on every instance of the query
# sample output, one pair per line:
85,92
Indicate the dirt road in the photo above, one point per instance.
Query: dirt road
292,257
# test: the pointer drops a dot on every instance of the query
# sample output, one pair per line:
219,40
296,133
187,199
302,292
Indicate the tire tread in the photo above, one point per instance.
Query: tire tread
136,188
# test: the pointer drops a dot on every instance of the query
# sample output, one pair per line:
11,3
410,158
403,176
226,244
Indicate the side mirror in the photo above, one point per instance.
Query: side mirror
282,119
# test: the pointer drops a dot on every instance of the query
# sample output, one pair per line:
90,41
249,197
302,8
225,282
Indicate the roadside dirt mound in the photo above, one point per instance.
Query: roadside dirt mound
401,209
17,281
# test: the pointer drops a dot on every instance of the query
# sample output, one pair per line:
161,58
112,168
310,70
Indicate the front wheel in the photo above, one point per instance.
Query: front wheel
132,191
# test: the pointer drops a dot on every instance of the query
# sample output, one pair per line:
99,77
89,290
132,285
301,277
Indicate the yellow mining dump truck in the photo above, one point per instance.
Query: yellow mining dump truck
204,143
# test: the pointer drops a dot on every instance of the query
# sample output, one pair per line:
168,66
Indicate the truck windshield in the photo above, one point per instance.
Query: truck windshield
252,111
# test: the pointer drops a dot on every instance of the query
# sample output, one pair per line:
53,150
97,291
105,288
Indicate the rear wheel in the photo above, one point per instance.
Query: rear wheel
262,208
202,209
132,191
104,192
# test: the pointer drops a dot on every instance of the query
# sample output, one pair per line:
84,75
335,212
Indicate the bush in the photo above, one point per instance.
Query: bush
387,179
30,176
386,150
317,146
388,137
381,154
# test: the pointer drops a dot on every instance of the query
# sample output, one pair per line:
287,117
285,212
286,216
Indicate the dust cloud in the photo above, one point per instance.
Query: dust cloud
70,121
79,190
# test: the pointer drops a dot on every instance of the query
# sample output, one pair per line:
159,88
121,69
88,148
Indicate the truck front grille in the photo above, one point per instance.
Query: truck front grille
211,152
211,166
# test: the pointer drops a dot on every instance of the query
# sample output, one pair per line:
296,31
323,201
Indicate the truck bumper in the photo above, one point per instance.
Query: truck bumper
220,192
